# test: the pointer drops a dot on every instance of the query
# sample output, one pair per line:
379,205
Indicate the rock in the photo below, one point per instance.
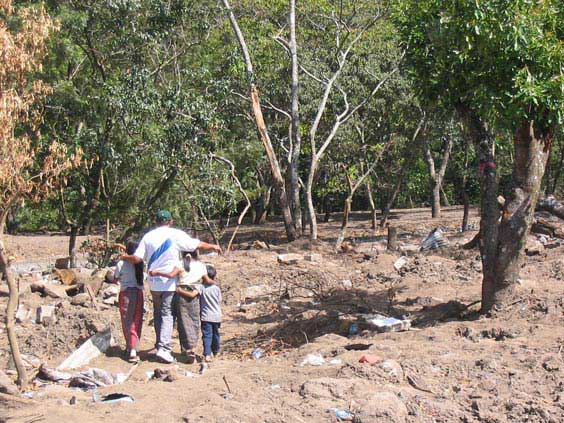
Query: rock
393,369
109,277
110,291
315,258
289,258
46,314
66,276
347,283
383,407
534,247
80,299
259,245
7,386
62,263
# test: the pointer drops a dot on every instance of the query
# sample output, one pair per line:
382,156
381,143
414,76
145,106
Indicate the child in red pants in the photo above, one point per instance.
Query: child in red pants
130,277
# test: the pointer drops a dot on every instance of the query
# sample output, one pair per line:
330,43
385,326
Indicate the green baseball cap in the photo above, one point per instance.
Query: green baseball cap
163,216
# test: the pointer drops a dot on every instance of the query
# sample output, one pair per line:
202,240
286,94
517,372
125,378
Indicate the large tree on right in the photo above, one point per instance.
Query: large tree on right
500,64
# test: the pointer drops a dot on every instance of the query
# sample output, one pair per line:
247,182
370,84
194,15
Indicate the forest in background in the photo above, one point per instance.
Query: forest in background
213,110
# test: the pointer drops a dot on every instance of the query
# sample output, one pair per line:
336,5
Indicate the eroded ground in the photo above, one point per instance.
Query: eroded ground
452,366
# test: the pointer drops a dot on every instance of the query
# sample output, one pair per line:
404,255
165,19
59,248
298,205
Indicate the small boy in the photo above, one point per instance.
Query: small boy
210,311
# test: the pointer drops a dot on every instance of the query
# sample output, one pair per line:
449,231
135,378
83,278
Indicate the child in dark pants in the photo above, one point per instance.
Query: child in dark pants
210,310
210,315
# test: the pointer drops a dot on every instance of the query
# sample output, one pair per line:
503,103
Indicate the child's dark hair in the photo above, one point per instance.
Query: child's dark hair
212,273
130,248
187,257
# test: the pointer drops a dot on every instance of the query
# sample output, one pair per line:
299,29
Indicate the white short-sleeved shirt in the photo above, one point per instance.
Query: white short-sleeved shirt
194,276
125,272
168,259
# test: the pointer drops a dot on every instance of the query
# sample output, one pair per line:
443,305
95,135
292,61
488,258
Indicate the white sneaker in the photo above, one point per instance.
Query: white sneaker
165,356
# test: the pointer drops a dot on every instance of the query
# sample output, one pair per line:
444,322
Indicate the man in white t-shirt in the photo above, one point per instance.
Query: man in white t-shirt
160,250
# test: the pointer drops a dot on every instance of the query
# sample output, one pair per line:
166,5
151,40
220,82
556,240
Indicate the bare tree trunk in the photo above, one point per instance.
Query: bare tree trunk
373,220
295,135
345,222
72,246
11,315
531,153
261,126
436,177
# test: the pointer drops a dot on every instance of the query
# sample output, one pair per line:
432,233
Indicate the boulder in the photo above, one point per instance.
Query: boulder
66,276
382,407
315,258
110,291
80,299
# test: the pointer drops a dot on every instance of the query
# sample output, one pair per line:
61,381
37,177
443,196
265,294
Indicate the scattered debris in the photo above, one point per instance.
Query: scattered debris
91,349
117,397
386,324
370,359
342,415
257,353
399,263
434,240
313,359
289,258
314,258
46,314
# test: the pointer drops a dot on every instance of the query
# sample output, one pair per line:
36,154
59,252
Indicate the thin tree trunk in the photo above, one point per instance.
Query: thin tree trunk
72,246
373,220
11,315
261,126
296,136
345,221
445,198
392,238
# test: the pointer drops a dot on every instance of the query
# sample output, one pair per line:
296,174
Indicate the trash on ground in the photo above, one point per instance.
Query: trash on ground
116,397
336,361
399,263
257,353
386,324
313,360
342,415
92,348
434,240
357,347
370,359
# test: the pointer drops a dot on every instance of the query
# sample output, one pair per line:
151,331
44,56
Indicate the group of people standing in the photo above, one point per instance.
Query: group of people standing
182,288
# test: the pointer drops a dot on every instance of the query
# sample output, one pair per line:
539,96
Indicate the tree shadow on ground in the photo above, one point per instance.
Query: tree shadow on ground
290,324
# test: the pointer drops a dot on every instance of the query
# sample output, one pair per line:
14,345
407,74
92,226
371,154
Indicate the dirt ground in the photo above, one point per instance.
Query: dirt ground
453,365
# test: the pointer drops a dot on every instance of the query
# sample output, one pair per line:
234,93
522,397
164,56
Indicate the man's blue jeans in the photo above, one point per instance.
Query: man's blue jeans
210,337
